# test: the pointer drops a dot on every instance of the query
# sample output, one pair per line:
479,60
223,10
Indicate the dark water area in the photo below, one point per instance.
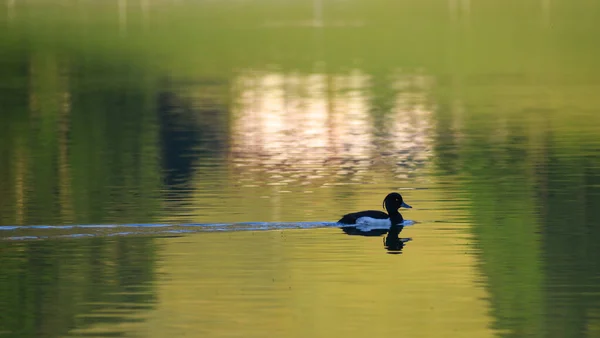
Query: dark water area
178,168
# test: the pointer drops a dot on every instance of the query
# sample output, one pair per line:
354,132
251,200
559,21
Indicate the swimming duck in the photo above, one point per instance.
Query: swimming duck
392,202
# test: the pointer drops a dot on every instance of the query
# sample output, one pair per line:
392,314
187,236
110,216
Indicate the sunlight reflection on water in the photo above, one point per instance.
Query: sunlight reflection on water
301,122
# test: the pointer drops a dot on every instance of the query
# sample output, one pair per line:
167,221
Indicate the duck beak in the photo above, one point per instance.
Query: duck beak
404,205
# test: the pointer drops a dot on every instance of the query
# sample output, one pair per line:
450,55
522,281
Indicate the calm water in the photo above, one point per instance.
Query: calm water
176,168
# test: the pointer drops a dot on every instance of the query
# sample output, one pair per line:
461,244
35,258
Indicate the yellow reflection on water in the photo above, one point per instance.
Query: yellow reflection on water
317,283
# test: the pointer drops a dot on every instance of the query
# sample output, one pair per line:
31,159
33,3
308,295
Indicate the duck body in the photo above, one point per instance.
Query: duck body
368,216
392,202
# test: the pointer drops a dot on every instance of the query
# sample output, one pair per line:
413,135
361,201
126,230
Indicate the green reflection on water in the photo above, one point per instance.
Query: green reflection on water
50,289
530,176
79,150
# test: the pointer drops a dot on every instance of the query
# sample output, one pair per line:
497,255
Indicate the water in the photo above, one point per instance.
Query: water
177,168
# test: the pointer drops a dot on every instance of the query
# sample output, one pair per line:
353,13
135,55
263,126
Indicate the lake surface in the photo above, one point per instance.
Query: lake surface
176,168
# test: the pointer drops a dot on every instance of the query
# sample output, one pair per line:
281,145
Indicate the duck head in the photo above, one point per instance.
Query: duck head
393,201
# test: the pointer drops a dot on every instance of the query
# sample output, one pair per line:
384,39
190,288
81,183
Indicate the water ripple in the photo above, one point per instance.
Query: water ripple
37,232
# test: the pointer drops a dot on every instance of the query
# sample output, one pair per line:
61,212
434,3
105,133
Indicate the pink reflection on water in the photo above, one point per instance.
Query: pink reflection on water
308,123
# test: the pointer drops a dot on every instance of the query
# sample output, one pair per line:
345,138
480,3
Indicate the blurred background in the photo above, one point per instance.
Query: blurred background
485,115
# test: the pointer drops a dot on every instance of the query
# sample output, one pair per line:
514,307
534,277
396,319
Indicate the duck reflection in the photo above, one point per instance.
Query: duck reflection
392,242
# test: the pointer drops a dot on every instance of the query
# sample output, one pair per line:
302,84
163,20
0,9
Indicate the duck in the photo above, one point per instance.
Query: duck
392,202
